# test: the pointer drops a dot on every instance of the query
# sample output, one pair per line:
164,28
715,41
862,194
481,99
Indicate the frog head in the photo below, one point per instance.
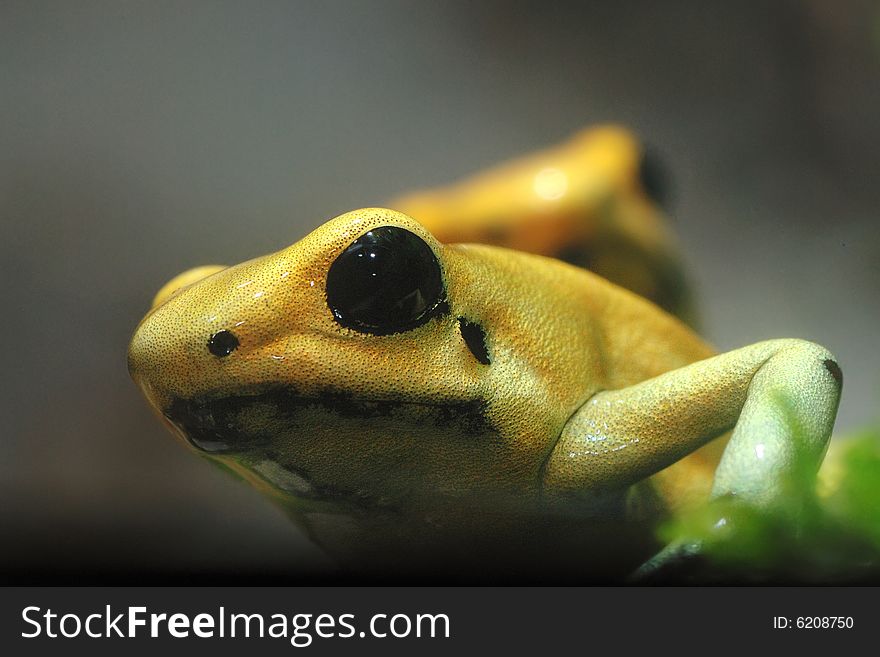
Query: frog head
366,365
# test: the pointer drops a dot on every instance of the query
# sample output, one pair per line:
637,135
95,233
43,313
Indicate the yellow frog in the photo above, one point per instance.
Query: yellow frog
594,201
470,409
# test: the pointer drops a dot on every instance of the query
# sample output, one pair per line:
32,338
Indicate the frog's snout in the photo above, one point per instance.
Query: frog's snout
154,339
144,358
182,281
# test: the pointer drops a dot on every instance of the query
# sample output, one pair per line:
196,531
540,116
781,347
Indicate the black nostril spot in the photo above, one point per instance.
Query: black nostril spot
222,343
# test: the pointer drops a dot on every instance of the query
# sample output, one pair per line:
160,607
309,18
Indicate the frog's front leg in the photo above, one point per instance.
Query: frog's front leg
780,398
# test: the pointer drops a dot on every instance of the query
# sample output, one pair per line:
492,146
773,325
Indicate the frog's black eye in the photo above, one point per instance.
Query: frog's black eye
222,343
387,281
654,178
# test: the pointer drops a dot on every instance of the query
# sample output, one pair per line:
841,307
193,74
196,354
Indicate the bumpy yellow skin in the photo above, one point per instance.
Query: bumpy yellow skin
403,452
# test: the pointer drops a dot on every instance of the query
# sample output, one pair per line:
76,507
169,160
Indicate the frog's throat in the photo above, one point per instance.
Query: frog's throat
223,422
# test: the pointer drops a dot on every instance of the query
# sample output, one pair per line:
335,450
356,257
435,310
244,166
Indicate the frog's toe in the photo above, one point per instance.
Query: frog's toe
677,562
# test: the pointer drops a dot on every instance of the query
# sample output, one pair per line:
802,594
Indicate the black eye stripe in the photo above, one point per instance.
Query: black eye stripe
222,343
386,281
475,339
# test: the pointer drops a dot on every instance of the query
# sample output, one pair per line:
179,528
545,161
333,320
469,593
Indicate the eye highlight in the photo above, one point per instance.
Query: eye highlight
222,343
387,281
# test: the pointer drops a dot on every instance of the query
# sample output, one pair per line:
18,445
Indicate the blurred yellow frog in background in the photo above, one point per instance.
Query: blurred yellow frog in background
595,201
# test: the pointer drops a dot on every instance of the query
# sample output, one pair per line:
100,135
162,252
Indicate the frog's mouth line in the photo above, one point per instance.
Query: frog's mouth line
223,423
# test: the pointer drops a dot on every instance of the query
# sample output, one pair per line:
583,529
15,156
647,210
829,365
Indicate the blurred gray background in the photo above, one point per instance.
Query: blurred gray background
138,139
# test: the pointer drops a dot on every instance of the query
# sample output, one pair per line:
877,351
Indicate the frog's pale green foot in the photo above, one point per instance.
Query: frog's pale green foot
780,398
783,429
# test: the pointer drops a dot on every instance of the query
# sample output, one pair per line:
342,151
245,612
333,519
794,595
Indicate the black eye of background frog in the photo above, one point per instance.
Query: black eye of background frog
222,343
655,179
387,281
